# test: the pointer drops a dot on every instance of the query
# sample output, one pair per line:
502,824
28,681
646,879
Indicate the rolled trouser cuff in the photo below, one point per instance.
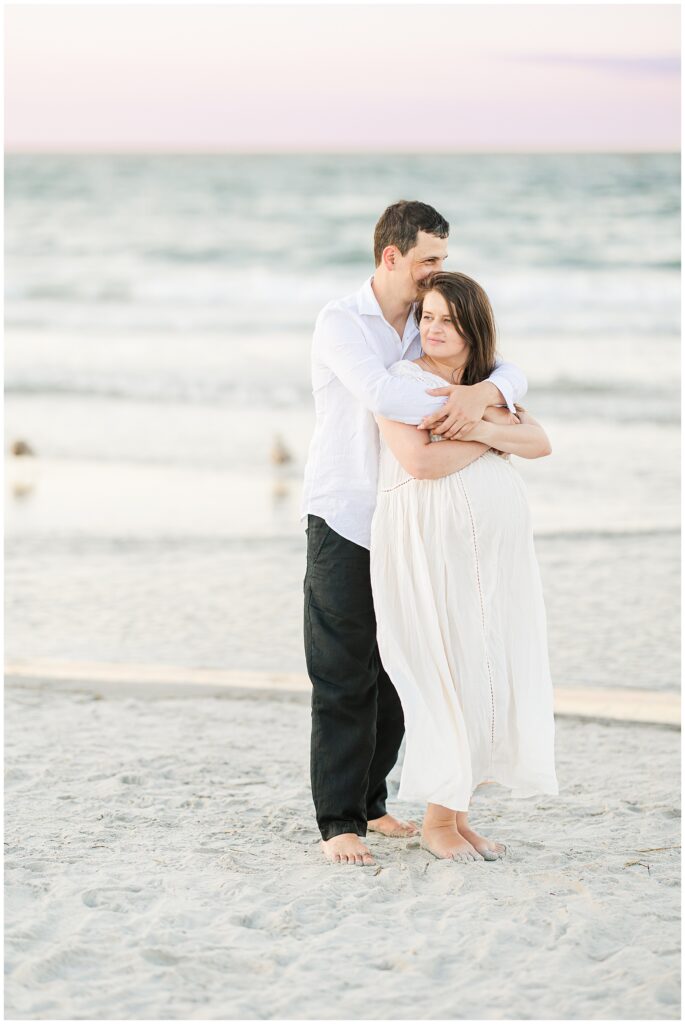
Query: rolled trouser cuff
339,828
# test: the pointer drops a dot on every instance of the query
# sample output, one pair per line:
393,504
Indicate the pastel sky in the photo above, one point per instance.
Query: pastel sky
329,77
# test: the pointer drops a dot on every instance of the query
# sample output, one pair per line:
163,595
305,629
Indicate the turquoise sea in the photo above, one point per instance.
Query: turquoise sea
158,321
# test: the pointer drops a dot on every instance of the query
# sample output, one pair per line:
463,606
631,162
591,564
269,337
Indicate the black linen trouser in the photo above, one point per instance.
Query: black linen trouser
357,719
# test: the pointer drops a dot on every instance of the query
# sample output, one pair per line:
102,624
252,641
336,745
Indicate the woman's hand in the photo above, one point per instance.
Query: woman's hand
482,431
478,432
500,415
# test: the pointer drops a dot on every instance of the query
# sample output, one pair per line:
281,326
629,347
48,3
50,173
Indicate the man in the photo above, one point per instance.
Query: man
357,720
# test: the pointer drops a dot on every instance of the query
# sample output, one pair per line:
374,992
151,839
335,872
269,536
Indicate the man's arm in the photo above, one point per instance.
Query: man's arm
340,344
510,381
466,404
425,459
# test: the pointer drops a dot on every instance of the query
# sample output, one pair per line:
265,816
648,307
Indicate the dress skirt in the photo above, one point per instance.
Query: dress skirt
462,631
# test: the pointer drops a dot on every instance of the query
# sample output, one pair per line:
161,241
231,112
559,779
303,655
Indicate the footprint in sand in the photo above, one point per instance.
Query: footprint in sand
117,899
160,957
58,966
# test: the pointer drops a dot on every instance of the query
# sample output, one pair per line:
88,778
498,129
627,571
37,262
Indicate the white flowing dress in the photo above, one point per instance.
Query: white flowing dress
462,629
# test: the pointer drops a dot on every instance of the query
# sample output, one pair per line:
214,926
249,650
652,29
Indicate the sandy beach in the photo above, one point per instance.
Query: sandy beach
162,862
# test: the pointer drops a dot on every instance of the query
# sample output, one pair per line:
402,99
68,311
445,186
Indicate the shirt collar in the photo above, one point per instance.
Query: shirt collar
367,301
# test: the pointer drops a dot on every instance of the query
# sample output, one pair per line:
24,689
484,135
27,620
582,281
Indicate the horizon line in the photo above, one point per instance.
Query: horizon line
78,150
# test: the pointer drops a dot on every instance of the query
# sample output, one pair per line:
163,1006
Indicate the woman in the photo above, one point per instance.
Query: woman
457,590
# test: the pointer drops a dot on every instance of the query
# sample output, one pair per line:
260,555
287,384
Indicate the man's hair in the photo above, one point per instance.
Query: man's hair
400,224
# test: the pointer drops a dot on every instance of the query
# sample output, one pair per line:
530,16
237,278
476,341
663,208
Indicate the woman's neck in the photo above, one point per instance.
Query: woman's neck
451,371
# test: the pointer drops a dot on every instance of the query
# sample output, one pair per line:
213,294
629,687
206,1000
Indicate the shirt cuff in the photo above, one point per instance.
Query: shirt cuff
502,382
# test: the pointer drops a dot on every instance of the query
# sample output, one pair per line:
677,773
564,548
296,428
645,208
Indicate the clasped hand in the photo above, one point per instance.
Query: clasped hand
463,414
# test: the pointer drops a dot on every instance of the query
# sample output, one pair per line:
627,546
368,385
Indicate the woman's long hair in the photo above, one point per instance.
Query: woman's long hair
471,314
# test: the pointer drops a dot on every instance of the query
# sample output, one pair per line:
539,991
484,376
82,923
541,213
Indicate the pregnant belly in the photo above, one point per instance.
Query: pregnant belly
493,493
481,512
488,494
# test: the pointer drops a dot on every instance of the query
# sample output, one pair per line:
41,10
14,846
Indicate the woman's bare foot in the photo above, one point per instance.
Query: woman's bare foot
347,848
393,827
487,848
441,837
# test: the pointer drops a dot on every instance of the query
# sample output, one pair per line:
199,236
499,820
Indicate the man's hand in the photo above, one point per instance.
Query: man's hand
482,430
463,409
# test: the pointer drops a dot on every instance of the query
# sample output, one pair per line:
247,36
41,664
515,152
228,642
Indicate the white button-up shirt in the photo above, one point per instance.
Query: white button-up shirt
352,349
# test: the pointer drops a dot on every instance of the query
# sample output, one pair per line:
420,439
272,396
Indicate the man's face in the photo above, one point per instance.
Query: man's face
426,258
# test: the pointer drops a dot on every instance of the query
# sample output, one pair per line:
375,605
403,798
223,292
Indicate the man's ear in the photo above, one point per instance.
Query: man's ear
389,257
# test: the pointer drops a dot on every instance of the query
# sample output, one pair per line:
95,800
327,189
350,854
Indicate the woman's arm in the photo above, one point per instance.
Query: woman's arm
425,459
498,430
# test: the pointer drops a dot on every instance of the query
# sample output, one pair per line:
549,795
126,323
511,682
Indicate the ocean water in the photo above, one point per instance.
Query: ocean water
158,322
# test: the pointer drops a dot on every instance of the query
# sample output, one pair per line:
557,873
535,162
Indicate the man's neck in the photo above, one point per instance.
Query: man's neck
395,309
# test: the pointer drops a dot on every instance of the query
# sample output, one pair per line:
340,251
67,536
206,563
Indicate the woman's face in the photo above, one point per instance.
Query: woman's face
439,337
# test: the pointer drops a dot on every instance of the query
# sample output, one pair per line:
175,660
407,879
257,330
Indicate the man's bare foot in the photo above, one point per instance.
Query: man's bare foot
487,848
445,841
347,848
393,827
